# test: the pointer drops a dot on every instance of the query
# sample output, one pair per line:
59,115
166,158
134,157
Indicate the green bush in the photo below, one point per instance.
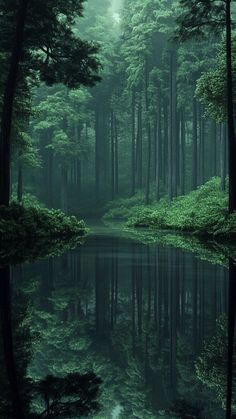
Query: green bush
203,212
19,222
29,200
123,208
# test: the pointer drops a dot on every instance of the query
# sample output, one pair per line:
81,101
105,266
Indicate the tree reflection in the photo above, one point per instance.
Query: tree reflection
136,315
215,365
231,332
15,408
74,395
66,396
185,410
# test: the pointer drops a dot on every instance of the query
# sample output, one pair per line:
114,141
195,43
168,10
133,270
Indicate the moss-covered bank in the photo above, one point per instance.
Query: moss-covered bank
18,222
202,212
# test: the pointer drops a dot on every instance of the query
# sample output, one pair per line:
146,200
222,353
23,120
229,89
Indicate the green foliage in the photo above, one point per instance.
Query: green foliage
142,22
51,47
198,17
29,200
28,154
18,222
64,397
200,210
212,85
30,250
122,208
213,252
61,116
203,212
211,365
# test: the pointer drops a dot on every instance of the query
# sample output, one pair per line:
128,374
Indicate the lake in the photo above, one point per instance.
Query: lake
136,315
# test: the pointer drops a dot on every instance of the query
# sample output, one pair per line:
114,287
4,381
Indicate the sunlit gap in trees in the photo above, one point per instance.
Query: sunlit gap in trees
115,9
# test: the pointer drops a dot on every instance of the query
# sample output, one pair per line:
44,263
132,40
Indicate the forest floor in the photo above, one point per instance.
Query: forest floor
202,212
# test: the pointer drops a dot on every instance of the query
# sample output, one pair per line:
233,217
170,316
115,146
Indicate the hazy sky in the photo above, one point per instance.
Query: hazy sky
115,5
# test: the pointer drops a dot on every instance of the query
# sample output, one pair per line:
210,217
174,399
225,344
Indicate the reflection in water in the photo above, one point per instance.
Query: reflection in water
71,395
8,355
231,399
135,315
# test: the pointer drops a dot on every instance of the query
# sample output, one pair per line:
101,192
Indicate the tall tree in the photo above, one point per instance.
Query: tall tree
45,42
216,16
8,101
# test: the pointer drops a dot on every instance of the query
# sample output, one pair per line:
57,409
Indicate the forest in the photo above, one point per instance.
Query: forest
118,209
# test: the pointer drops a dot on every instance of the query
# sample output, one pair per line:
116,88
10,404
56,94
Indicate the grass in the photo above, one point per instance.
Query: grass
202,212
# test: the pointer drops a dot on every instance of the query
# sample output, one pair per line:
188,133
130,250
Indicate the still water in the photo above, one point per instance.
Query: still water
136,315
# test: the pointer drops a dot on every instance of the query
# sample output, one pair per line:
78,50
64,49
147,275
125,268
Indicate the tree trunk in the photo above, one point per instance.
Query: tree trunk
78,171
170,136
105,148
117,158
194,146
50,177
112,157
20,183
223,156
148,173
97,155
231,133
7,107
7,341
231,332
133,168
201,157
174,125
165,173
158,151
182,154
139,151
177,158
64,184
213,148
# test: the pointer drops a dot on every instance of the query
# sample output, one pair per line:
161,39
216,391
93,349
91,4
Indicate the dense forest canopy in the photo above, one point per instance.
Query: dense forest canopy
156,122
121,110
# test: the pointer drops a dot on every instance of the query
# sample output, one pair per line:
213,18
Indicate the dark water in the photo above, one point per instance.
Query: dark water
135,315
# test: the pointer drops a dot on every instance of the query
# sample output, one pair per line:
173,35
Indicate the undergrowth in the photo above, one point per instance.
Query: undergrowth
202,212
19,222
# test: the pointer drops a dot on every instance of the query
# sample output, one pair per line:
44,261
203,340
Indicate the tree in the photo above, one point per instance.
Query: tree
43,41
58,126
211,365
184,410
74,394
8,100
216,16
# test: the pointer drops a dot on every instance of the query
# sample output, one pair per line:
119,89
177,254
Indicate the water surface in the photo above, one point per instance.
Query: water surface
136,315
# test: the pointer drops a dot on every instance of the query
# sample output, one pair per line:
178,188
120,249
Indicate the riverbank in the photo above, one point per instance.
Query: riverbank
202,212
18,222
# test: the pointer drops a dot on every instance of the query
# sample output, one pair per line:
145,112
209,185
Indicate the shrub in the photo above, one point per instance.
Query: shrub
19,222
202,211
